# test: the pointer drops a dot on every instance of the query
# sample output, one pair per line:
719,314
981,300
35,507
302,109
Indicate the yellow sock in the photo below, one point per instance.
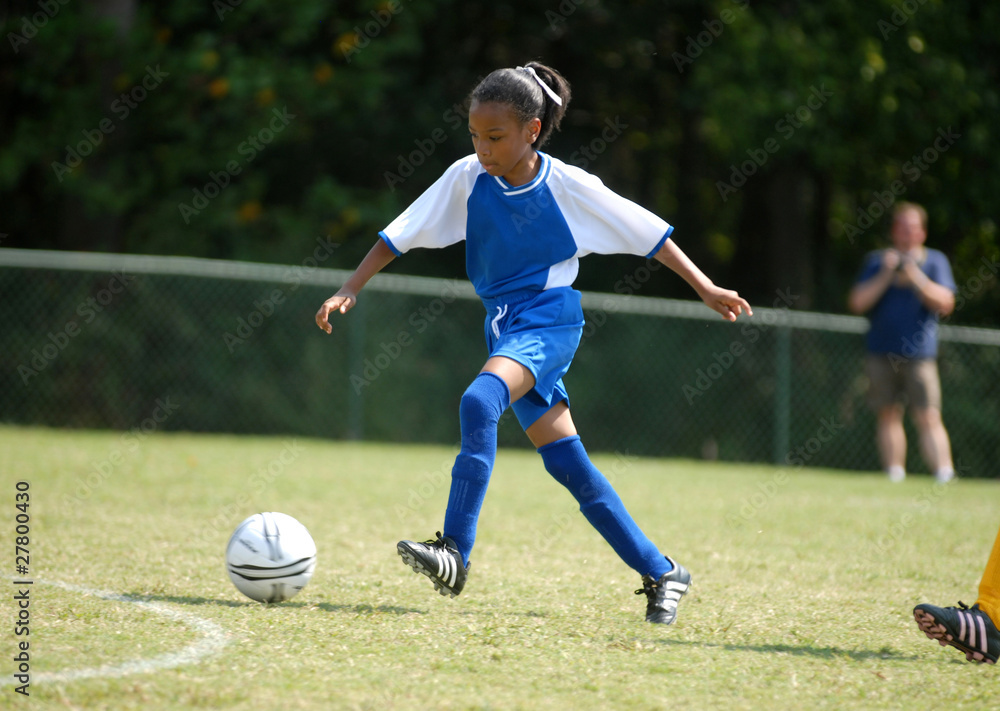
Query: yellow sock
989,586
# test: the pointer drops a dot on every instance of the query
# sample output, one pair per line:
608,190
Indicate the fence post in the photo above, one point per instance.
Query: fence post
782,392
356,364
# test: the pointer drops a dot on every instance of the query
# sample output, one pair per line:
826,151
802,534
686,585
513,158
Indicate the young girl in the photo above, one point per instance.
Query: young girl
526,219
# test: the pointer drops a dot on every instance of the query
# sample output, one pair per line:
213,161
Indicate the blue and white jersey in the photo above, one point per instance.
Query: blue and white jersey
529,237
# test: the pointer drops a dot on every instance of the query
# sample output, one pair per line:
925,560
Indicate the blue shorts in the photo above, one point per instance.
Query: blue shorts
541,330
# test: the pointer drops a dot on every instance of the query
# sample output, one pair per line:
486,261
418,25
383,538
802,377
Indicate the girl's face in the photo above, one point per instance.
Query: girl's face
502,143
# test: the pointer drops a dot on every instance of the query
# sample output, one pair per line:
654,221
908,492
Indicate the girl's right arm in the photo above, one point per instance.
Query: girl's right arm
723,301
376,260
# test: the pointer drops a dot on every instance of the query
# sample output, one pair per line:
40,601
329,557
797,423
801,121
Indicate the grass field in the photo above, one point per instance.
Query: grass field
804,581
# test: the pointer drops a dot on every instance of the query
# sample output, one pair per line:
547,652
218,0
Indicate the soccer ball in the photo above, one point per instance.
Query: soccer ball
270,557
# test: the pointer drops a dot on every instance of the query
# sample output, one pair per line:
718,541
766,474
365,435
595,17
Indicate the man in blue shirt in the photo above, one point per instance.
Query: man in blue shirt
904,290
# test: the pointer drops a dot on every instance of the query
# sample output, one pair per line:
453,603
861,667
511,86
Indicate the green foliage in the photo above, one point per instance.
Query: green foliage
699,84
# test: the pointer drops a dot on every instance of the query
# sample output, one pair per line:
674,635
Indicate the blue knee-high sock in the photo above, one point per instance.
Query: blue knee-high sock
567,461
482,404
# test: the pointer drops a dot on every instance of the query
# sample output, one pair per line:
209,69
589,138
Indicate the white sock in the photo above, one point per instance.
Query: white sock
896,472
944,474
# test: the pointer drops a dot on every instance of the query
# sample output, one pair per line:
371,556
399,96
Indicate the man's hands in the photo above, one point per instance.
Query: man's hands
343,301
907,272
891,260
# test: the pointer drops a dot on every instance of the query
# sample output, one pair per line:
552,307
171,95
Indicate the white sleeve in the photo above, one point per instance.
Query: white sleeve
437,218
602,221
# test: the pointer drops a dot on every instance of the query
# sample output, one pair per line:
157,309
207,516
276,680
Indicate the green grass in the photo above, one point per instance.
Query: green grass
793,605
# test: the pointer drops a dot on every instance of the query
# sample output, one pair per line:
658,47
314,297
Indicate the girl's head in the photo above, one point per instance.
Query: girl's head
511,114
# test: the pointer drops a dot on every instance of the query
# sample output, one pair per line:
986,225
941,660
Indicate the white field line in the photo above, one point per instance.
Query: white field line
212,638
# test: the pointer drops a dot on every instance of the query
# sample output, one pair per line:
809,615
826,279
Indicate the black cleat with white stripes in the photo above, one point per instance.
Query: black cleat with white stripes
967,629
663,595
439,560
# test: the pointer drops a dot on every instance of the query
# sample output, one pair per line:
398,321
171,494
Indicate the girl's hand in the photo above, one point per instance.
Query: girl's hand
726,302
342,301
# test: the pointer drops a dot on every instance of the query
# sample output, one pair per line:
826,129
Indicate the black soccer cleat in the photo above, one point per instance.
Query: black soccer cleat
663,595
439,560
967,629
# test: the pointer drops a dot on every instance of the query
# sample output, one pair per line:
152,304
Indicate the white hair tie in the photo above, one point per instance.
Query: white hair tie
545,87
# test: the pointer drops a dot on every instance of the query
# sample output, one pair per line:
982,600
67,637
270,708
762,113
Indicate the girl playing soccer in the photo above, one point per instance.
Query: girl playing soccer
526,219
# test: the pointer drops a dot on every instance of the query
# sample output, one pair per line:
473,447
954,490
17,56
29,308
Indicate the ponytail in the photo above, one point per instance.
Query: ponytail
532,91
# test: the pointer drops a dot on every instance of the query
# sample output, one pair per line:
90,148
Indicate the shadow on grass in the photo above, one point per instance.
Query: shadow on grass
803,651
360,609
505,613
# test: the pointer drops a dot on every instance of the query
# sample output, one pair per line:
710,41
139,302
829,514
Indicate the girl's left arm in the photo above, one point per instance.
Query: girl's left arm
343,301
723,301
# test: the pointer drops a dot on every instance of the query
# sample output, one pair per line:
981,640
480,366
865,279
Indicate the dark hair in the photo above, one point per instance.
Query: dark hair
519,90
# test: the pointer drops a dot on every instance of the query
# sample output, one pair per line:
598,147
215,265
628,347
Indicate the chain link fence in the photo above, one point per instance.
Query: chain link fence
139,344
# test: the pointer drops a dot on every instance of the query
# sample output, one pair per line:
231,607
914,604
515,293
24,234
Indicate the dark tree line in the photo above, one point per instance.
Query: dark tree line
775,136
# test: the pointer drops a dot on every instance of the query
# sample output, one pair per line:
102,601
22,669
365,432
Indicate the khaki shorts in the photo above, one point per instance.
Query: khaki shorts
901,380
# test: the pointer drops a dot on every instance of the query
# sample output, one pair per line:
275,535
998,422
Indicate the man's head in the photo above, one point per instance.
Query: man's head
909,226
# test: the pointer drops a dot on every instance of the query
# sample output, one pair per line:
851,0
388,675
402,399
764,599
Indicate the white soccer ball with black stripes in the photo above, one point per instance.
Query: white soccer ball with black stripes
270,557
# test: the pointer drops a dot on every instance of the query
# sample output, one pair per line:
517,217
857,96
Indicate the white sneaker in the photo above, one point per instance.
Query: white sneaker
896,474
943,476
